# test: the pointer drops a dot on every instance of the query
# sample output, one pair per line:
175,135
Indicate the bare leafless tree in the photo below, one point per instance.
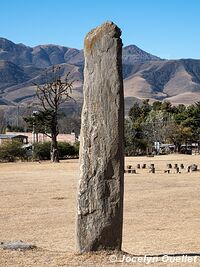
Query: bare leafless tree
2,121
51,96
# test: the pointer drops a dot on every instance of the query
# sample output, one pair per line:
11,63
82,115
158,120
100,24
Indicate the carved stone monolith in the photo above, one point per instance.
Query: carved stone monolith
101,184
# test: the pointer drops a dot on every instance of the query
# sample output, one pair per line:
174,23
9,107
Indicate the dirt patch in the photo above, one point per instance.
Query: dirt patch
38,206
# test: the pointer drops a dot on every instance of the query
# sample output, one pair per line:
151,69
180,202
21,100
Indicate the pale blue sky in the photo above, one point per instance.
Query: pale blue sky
166,28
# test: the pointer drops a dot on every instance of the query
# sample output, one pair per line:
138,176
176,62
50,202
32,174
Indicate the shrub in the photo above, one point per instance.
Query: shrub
12,151
66,150
77,146
42,151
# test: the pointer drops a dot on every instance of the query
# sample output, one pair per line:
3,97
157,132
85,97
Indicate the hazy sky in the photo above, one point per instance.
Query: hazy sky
166,28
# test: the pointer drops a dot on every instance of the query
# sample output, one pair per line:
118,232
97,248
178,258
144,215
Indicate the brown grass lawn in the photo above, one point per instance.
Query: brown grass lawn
37,205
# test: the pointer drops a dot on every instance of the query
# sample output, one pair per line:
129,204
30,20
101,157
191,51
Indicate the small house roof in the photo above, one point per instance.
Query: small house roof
11,136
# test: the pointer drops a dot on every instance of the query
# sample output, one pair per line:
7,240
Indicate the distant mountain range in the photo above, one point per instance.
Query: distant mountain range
145,75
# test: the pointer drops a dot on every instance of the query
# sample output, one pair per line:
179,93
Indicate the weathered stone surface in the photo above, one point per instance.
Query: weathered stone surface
101,184
16,245
193,167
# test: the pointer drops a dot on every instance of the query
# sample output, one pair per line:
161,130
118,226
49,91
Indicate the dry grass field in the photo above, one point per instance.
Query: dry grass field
38,206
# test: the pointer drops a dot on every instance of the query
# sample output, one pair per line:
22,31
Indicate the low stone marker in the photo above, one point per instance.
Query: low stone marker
101,182
169,165
193,167
152,168
15,245
181,166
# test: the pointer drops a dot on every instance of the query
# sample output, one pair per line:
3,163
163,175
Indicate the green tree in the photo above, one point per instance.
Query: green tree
193,117
154,127
178,134
157,105
135,141
166,106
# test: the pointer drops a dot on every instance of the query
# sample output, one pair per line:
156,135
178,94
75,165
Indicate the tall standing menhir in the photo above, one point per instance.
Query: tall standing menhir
101,184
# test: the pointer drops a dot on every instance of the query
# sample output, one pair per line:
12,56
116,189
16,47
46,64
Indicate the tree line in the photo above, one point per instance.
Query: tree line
163,123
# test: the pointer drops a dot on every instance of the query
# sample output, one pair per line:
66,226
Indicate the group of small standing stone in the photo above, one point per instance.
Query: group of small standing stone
177,167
